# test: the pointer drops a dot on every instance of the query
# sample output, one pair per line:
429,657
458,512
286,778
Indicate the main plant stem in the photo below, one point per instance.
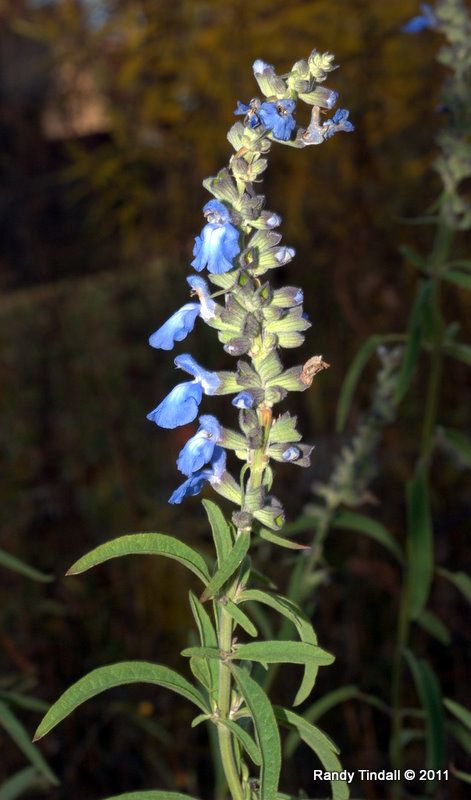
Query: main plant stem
438,259
226,745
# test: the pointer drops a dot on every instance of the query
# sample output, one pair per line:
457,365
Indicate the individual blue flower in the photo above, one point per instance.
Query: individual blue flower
250,112
218,243
177,327
425,20
278,118
195,482
179,407
339,122
200,288
208,380
243,400
291,453
199,450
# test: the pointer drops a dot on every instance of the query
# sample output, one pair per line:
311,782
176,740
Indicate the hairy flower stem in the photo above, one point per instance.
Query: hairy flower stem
438,259
231,771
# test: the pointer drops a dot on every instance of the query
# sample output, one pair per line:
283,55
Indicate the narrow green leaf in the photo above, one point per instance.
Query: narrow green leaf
250,746
240,617
460,264
281,541
458,278
283,653
461,734
414,336
460,351
317,709
412,256
353,376
103,678
228,567
291,611
429,693
221,530
199,719
21,782
372,528
460,580
459,711
156,544
152,795
23,701
266,731
208,638
16,565
462,776
434,626
458,442
320,744
419,543
22,739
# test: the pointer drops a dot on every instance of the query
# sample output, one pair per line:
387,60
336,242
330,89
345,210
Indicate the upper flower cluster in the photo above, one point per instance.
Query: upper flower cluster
237,246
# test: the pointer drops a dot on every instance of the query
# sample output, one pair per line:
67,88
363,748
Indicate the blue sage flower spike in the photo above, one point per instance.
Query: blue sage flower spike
193,485
177,327
179,407
218,243
199,450
424,21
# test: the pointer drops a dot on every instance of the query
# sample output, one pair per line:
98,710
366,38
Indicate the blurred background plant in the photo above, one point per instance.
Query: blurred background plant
107,123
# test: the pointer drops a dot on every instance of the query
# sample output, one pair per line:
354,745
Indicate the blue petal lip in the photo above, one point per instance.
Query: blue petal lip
177,327
179,407
208,380
280,124
216,248
195,482
199,450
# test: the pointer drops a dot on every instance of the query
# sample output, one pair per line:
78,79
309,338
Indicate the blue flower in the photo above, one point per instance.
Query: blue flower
208,380
339,122
278,118
424,21
195,482
177,327
218,243
199,450
179,407
243,400
250,111
291,453
200,288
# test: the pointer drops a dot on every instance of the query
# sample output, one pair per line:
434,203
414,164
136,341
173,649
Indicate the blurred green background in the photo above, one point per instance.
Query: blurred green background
112,112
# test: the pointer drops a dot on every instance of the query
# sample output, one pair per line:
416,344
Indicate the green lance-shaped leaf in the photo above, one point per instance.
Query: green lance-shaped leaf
460,351
240,617
317,709
414,337
462,776
250,746
221,530
267,653
461,279
459,711
156,544
152,795
21,782
291,611
208,638
266,731
320,744
228,567
429,693
103,678
269,536
353,376
419,543
22,739
372,528
460,580
458,442
434,626
16,565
